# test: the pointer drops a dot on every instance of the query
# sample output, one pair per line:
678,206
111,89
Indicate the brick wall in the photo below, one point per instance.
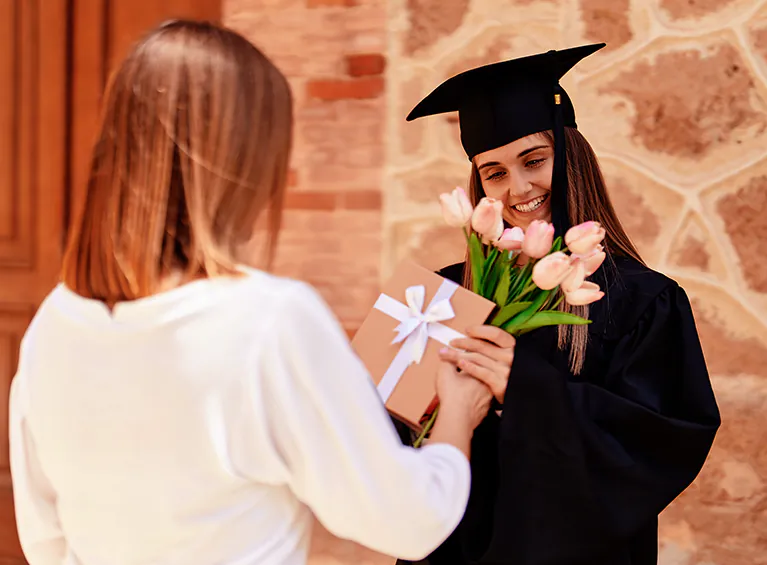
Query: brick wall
333,54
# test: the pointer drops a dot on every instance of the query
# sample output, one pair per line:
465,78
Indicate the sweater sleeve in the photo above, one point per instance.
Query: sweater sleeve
343,456
34,499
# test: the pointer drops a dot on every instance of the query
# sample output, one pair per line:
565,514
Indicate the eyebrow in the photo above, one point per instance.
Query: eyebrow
530,150
522,154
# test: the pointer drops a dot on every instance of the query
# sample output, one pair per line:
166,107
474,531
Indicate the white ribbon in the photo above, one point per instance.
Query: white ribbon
415,328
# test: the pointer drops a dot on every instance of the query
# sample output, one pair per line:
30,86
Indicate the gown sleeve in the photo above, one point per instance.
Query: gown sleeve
342,454
580,469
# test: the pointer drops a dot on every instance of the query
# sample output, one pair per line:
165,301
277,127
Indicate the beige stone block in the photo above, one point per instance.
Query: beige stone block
733,336
516,12
736,207
756,36
694,248
430,21
408,84
688,109
648,211
622,24
428,242
418,190
721,518
700,15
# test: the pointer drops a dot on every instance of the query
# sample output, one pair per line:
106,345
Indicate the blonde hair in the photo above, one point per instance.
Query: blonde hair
193,146
587,200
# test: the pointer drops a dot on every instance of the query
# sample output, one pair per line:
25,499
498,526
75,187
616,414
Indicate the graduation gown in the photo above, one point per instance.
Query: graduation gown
577,468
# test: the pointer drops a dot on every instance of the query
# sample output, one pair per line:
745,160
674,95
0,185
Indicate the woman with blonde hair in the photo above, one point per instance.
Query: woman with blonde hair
173,406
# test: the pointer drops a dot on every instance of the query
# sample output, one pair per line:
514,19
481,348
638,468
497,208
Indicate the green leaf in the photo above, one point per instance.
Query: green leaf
551,318
521,281
493,272
508,312
527,313
502,290
557,245
491,257
476,257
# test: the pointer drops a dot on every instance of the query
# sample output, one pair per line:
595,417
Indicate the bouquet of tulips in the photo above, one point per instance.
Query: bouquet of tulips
527,273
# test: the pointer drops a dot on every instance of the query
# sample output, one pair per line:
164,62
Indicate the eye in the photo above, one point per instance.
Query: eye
496,176
534,163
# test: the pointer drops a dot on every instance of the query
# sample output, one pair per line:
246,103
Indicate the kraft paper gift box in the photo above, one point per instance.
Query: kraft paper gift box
417,314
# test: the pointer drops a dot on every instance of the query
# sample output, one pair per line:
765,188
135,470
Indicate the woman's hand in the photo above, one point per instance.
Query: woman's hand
466,399
486,354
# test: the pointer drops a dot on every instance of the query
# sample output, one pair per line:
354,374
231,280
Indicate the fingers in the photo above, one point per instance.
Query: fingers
500,354
484,375
491,373
492,334
455,357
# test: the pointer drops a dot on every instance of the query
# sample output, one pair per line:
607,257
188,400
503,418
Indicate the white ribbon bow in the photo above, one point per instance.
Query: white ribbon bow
415,328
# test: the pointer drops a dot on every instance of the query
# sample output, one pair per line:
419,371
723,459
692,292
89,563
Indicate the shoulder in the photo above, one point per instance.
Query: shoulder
633,291
283,295
628,277
290,308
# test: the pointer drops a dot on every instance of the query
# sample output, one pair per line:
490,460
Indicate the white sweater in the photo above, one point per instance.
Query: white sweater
203,425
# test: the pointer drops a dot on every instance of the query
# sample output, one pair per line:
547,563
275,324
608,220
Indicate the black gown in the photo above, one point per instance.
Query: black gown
577,468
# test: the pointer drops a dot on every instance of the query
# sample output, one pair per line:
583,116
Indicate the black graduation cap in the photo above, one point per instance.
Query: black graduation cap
503,102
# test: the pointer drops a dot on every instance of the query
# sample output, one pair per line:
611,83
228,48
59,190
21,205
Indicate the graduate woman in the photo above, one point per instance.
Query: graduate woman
174,407
600,427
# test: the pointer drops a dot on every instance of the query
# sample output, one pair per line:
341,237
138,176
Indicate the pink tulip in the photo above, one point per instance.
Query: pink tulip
593,261
487,219
583,239
511,239
538,239
588,292
549,272
575,278
456,208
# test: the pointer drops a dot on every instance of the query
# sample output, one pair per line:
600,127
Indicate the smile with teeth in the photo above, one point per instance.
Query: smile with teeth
531,205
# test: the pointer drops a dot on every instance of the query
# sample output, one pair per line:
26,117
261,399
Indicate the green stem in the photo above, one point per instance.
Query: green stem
527,290
427,428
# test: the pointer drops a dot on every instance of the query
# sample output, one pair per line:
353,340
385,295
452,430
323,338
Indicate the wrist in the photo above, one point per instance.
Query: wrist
456,418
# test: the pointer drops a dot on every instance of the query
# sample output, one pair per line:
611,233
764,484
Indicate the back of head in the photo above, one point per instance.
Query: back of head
193,147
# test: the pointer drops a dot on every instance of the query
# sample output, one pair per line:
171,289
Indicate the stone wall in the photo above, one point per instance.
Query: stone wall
676,108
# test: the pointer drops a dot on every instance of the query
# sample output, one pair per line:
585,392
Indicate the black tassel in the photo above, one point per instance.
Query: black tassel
560,214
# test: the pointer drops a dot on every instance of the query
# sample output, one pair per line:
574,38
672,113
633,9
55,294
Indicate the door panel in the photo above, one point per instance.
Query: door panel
32,189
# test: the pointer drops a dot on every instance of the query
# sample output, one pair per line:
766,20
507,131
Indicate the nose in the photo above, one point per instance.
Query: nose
519,186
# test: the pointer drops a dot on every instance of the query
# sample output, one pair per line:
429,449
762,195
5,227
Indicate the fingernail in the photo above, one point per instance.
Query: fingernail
443,350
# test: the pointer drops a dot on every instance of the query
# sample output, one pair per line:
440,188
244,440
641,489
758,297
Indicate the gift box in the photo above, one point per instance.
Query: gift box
417,314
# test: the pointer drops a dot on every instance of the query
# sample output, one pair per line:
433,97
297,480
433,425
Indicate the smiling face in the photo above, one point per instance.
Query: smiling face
519,175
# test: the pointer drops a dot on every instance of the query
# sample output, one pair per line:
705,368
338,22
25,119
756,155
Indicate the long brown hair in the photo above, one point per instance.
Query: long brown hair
588,200
193,146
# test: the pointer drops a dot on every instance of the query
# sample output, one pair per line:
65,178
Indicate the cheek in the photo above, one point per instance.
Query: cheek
543,175
496,189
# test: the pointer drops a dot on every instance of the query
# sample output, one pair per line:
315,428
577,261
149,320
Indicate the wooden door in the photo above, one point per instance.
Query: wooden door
33,171
54,59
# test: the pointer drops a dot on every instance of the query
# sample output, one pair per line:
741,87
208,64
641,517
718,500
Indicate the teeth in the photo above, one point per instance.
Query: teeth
530,206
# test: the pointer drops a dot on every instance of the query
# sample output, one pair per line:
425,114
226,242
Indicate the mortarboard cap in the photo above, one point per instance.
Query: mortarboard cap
502,102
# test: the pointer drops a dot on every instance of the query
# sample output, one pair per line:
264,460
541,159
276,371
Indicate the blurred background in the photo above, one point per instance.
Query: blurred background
676,108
